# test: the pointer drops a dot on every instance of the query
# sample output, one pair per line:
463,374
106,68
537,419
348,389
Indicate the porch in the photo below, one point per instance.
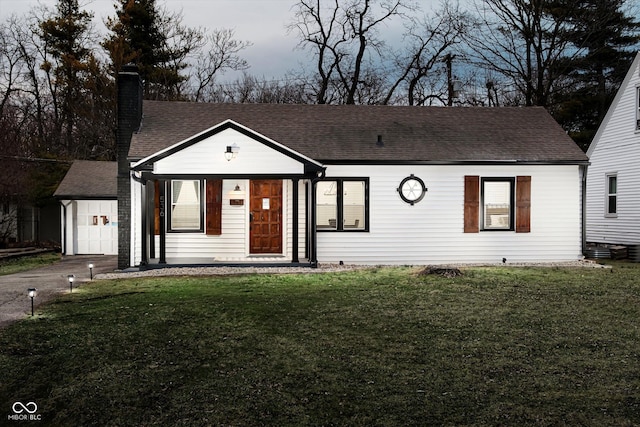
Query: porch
268,262
238,222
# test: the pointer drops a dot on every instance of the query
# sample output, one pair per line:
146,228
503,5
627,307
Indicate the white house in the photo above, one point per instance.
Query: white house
273,183
89,209
613,178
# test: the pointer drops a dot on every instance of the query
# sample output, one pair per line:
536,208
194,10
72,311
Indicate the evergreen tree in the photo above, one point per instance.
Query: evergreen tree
607,36
156,42
65,35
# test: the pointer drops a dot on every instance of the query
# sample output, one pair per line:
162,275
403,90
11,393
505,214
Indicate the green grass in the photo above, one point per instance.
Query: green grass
29,262
497,346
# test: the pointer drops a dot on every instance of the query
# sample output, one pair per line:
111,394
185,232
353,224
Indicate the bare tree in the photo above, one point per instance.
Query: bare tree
11,61
345,40
524,41
249,89
25,98
427,46
179,45
221,54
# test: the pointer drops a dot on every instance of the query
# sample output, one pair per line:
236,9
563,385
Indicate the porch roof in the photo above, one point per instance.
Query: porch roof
358,133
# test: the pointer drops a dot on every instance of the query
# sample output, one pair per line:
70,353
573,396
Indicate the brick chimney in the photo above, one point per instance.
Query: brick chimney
129,109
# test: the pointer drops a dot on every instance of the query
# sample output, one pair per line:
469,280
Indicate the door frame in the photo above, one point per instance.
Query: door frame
284,220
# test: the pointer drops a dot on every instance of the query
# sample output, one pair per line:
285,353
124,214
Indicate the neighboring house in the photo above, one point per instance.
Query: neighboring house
22,220
613,178
89,208
275,183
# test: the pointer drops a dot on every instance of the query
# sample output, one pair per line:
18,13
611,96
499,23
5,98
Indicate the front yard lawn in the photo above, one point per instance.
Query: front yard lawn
16,265
385,346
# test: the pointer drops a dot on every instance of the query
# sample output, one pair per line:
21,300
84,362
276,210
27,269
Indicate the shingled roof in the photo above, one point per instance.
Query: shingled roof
349,133
88,179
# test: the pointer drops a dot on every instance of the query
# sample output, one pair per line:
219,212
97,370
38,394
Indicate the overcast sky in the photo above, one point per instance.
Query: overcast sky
262,22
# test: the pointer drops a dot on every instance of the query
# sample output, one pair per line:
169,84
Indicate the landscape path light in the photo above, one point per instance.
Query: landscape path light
71,278
32,292
90,270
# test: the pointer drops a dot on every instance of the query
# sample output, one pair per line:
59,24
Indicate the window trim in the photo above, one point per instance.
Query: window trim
511,181
637,109
608,194
340,228
170,205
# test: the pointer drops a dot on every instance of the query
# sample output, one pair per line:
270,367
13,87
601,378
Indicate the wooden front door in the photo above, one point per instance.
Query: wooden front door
266,216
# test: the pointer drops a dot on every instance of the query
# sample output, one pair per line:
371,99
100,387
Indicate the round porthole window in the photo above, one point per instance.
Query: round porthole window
412,189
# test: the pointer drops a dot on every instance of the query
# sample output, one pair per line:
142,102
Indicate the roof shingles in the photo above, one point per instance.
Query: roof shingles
89,179
343,133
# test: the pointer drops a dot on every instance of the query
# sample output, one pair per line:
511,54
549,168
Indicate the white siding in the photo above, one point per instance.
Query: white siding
233,244
431,231
207,157
616,149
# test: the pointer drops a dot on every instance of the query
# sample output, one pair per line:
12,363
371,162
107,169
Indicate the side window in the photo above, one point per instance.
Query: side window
638,108
342,205
186,205
611,201
497,203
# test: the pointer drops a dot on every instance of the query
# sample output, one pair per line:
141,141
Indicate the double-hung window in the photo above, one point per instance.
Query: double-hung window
185,213
342,204
611,201
638,108
497,203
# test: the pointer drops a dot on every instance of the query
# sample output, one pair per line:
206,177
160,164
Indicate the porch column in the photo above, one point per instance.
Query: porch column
294,248
152,218
313,247
144,258
163,234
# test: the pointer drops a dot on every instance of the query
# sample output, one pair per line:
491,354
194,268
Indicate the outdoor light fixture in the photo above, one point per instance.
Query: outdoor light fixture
32,292
71,278
237,192
232,152
90,270
236,196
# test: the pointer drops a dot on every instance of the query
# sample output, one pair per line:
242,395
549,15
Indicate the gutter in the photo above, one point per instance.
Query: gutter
455,162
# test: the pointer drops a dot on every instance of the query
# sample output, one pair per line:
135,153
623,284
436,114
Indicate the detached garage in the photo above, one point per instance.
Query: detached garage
89,209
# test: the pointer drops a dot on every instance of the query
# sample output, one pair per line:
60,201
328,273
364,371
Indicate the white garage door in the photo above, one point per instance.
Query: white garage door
97,227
